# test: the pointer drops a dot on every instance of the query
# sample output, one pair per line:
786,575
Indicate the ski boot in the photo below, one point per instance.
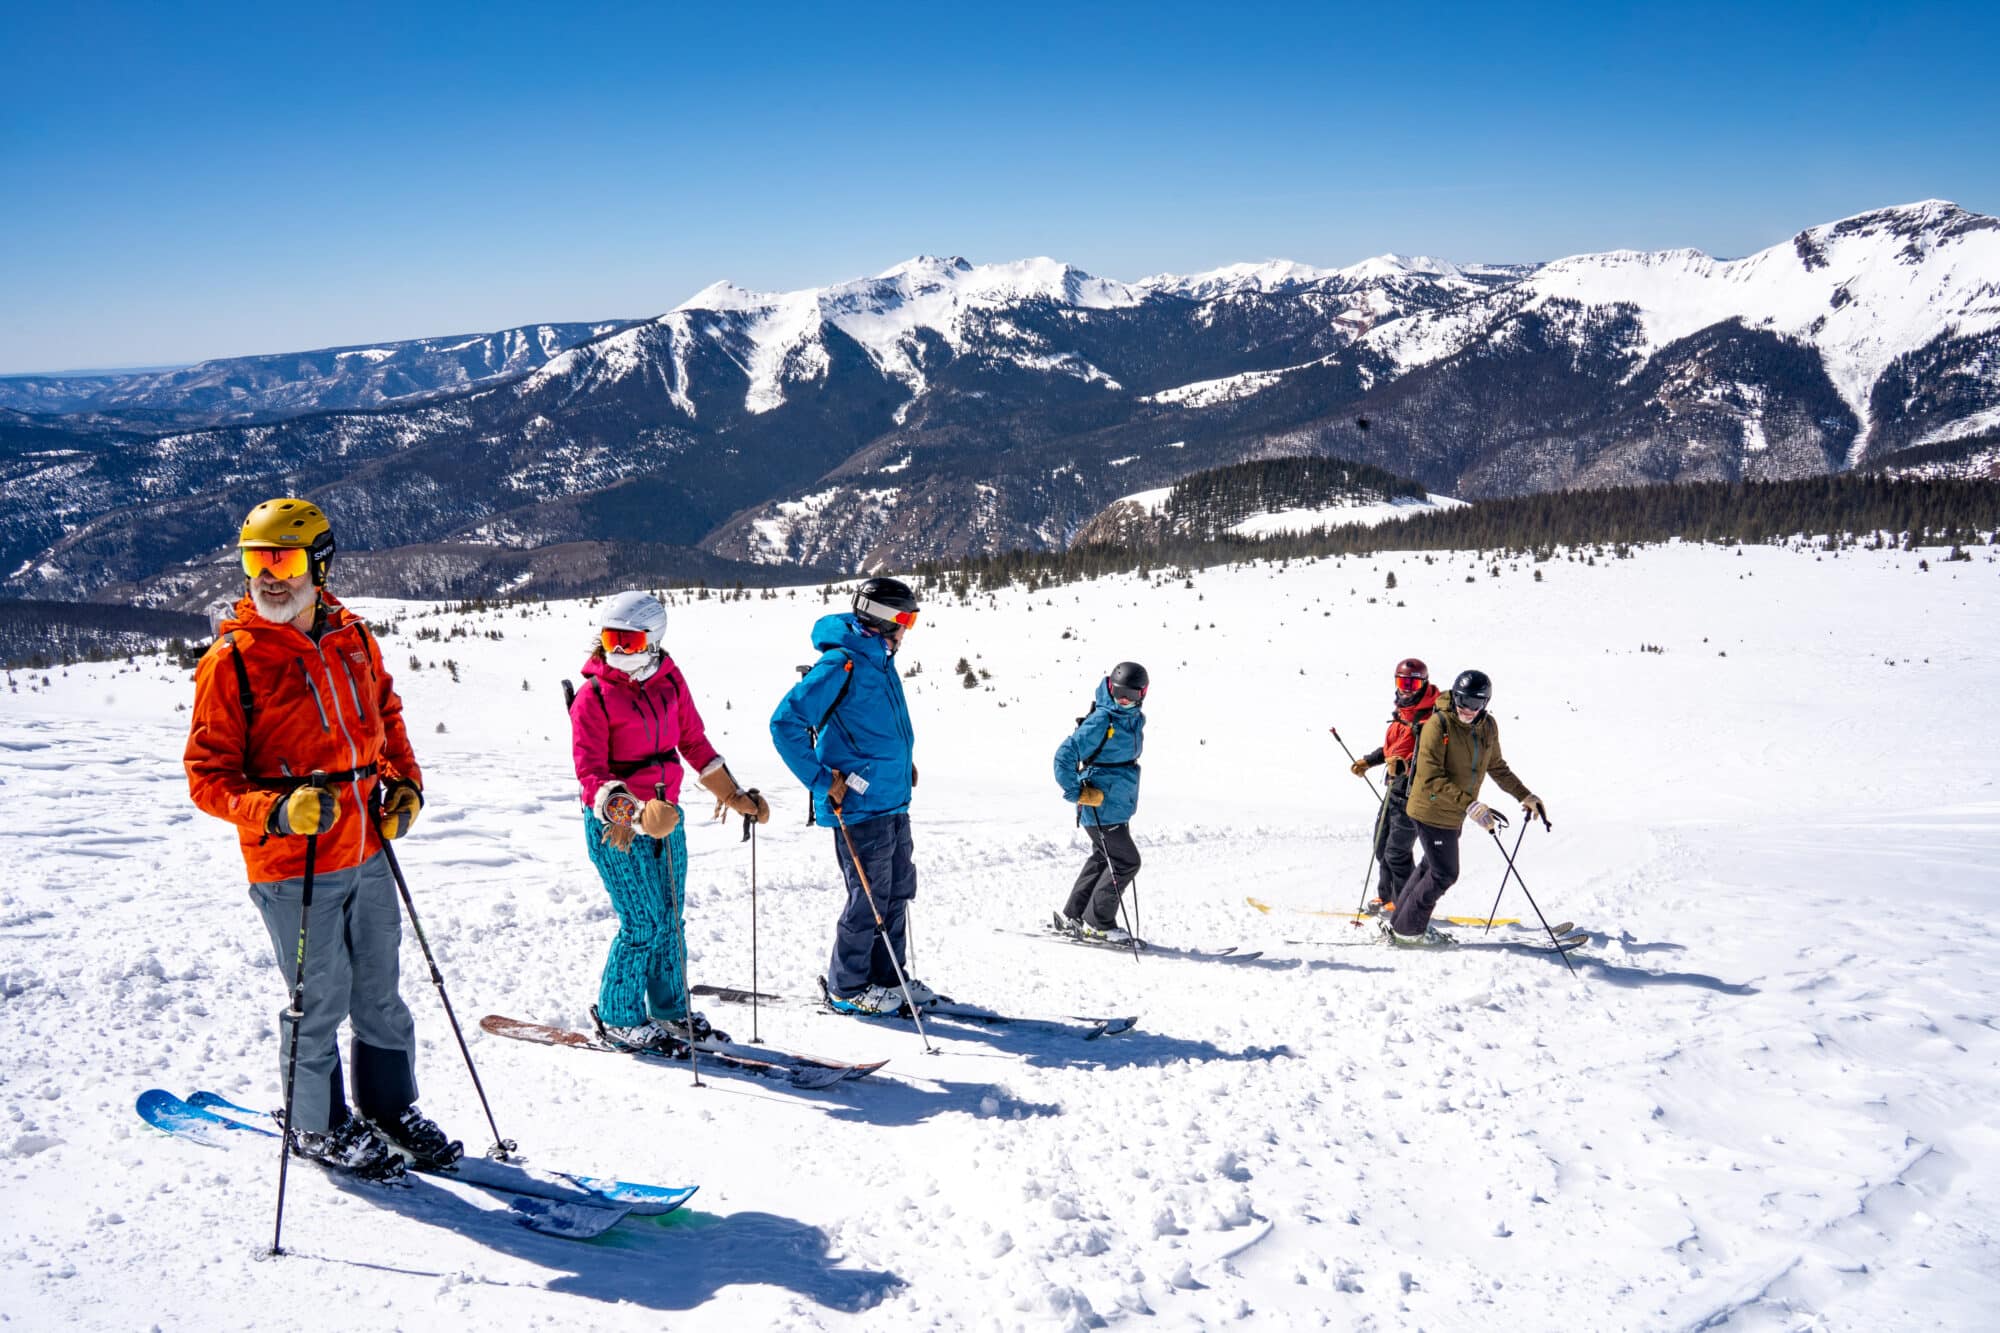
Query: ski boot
418,1138
1432,938
352,1147
645,1035
694,1028
869,1002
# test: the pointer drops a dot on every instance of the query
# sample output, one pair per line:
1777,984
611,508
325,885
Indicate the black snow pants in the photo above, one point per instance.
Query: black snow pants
1438,873
1114,860
1394,839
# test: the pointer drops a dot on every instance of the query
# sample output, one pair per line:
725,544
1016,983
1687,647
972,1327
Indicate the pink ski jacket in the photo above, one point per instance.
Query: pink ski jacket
637,732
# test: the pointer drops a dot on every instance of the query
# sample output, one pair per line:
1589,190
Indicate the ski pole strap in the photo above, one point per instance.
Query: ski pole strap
289,783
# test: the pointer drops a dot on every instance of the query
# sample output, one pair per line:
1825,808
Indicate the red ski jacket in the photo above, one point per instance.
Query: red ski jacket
1401,740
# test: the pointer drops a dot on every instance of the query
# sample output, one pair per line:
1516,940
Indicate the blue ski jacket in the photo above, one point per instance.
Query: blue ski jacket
1104,752
853,699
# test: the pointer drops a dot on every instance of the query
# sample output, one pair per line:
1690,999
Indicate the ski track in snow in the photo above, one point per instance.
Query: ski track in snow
1765,1101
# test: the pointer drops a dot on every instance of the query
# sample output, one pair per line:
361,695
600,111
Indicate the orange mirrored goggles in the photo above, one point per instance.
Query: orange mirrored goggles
624,641
900,619
280,562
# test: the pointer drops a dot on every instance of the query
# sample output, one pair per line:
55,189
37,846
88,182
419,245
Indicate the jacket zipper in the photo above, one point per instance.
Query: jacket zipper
353,752
313,686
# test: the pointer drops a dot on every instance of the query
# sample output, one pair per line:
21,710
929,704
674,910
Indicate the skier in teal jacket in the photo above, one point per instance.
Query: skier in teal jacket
1097,767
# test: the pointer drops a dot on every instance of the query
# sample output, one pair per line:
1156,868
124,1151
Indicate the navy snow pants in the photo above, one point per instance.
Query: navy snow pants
860,959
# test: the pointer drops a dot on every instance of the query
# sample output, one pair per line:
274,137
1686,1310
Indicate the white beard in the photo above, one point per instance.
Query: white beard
279,611
636,665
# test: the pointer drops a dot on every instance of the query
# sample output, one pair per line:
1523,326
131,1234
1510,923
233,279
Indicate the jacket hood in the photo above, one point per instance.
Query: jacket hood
843,630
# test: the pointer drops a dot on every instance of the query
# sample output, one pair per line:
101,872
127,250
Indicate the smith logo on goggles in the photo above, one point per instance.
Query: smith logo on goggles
278,562
868,606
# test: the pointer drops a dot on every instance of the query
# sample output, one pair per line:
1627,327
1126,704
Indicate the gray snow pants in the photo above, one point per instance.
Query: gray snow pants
351,973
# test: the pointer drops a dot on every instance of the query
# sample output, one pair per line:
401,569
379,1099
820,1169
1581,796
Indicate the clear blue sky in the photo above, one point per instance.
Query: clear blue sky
181,182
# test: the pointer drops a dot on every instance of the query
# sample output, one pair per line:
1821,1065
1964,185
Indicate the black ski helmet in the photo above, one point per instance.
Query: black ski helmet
1128,682
1411,678
1472,689
885,605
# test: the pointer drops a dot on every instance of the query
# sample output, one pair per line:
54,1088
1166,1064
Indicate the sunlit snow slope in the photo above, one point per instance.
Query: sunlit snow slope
1765,1101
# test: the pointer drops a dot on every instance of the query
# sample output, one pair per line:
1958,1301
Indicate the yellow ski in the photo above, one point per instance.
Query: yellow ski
1267,908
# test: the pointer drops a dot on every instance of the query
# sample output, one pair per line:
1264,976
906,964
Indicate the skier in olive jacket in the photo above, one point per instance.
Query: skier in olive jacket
1457,750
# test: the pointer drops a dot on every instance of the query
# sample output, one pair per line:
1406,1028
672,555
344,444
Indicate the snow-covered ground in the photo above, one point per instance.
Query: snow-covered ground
1765,1102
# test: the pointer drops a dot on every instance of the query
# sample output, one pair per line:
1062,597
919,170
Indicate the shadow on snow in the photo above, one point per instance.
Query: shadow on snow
676,1262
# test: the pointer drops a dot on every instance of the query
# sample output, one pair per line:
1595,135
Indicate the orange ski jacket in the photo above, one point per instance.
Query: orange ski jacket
327,706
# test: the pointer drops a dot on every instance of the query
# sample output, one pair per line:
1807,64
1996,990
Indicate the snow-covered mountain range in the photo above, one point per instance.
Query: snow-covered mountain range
944,407
256,388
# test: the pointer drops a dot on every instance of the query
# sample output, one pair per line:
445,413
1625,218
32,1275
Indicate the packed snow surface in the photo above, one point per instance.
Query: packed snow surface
1765,1100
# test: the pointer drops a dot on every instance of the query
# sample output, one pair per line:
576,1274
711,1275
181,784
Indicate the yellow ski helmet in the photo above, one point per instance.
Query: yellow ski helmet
290,524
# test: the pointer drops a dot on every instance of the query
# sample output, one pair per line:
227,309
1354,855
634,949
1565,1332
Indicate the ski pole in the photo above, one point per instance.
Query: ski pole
1515,870
679,910
1382,803
503,1149
750,836
297,1014
1374,855
882,929
1503,876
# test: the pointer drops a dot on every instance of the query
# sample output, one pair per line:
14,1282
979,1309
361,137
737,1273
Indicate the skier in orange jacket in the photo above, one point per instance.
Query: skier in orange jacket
298,733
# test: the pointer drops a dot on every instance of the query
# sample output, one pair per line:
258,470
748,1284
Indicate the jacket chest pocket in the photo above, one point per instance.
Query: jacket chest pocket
355,680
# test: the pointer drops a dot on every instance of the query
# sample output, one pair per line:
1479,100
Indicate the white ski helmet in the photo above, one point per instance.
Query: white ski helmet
636,610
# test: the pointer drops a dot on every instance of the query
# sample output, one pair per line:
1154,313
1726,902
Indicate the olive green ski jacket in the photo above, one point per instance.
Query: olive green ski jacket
1452,761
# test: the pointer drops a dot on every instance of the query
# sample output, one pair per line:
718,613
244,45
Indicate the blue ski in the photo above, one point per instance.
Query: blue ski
513,1179
567,1220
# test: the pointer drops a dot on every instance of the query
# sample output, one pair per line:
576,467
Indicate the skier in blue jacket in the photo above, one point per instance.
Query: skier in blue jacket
844,731
1097,768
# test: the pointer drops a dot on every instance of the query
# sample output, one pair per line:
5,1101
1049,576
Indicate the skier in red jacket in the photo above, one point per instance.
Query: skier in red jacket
1395,834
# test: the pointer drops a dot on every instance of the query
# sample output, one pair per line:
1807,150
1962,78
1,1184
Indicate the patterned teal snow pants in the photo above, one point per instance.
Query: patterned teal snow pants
644,975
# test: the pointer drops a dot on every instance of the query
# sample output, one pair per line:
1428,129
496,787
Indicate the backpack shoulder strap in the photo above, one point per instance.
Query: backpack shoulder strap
243,692
846,680
1102,741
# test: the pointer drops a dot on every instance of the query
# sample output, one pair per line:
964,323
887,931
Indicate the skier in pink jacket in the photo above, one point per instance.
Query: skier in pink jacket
634,731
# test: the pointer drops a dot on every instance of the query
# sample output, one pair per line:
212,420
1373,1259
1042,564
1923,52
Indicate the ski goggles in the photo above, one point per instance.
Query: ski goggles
901,619
280,562
627,641
1410,684
1125,694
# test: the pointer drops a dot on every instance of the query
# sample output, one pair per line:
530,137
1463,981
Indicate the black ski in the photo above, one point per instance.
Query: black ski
1060,933
946,1008
801,1071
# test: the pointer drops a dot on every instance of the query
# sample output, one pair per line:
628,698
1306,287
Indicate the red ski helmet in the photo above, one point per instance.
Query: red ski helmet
1411,678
